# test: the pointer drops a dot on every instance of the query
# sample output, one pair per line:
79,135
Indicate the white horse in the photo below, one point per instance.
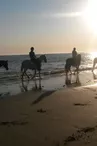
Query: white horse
94,63
27,64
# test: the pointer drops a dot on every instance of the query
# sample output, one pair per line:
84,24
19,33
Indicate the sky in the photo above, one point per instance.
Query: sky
50,26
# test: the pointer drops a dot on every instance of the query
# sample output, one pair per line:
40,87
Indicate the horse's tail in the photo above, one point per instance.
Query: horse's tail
67,67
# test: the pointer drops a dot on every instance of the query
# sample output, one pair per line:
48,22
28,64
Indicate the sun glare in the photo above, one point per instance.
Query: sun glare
93,55
90,15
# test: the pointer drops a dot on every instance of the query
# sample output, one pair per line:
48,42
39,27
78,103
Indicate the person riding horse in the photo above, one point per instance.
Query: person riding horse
74,55
75,61
34,59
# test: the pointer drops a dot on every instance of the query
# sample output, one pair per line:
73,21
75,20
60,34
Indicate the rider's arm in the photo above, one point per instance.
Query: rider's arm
76,53
34,55
30,55
72,53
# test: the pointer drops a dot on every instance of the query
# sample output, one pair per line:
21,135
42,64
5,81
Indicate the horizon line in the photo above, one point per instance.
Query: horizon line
44,53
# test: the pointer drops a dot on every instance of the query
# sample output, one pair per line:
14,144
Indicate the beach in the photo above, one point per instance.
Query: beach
48,73
65,116
63,112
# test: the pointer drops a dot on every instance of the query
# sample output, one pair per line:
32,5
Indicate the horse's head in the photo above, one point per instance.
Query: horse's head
45,60
43,57
6,64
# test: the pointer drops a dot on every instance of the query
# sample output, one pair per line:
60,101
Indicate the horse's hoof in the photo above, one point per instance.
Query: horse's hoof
40,88
35,87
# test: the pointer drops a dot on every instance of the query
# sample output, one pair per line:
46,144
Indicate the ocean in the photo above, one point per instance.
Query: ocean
55,64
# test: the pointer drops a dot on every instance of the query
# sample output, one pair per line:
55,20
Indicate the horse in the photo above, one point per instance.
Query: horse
28,64
94,63
4,64
70,62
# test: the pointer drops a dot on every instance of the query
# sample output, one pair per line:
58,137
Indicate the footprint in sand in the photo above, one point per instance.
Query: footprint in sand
81,134
80,104
95,97
41,111
12,123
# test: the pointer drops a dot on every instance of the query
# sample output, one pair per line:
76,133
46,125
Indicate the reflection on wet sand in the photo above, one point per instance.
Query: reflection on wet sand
94,75
24,85
68,80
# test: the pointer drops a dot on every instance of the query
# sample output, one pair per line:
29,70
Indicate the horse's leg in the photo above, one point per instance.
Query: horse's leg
39,81
77,69
66,72
34,74
24,86
22,75
26,74
35,83
66,69
77,78
22,72
68,80
70,72
69,69
93,65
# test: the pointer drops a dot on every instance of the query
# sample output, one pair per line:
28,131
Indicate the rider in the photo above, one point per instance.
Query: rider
74,54
33,58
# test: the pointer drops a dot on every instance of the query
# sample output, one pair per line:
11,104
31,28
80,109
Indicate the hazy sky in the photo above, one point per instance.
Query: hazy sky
51,26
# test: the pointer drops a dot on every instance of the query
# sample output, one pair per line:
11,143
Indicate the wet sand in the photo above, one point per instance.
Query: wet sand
50,118
49,82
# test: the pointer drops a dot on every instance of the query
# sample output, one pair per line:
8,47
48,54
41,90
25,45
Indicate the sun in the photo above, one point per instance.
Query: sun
90,15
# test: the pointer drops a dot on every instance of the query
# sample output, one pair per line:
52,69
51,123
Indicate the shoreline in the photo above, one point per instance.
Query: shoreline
50,82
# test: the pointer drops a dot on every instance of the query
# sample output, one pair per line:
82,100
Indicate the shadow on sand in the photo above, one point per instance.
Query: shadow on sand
41,97
24,88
